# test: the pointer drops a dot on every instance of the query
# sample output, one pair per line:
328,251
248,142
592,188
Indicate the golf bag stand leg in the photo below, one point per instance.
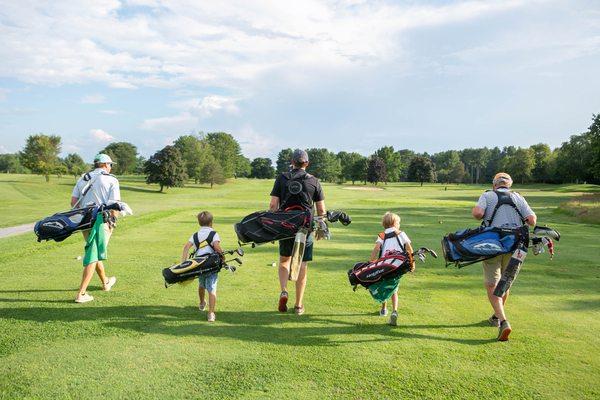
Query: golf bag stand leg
297,254
511,271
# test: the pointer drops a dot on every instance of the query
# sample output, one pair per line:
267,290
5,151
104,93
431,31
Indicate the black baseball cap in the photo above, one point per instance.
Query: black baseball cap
300,156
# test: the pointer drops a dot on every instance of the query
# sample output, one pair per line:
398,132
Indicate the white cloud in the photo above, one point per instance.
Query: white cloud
110,112
254,144
93,99
220,44
3,149
101,136
192,112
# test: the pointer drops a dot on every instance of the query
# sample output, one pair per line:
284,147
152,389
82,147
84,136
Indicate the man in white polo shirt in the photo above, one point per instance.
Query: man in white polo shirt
96,187
503,208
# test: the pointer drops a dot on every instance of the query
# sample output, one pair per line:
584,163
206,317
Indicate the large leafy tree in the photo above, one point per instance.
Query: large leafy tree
542,158
448,166
406,157
376,170
10,163
195,151
358,170
594,138
347,164
520,164
212,172
262,168
226,150
393,162
75,164
324,164
421,169
284,159
166,168
40,154
125,156
242,167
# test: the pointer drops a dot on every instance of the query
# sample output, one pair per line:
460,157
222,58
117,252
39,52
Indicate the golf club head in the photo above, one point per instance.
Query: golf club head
546,231
239,261
240,252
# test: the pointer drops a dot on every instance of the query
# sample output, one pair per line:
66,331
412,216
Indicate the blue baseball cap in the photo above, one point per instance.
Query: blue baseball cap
103,159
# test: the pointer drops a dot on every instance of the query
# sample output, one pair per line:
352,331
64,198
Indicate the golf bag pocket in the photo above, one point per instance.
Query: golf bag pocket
392,265
192,268
266,226
60,226
473,245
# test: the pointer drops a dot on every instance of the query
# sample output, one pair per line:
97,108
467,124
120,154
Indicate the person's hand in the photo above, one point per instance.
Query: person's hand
322,231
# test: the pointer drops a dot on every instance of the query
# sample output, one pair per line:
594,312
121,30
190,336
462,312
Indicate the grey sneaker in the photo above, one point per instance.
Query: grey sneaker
494,321
394,318
299,310
283,299
202,306
84,298
211,317
109,284
383,312
504,331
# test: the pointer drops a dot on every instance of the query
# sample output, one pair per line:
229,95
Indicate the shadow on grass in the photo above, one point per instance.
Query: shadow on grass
257,326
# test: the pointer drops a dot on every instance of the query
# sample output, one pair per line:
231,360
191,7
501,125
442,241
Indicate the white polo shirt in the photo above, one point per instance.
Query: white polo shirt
391,243
104,190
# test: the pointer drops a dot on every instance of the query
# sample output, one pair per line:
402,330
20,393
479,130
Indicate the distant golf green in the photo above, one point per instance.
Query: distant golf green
144,341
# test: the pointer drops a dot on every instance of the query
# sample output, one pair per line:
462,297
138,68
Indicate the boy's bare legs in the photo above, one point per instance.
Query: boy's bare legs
496,302
301,284
201,295
86,277
395,302
101,273
212,301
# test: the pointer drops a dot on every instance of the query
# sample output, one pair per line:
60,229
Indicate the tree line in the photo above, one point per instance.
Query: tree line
214,157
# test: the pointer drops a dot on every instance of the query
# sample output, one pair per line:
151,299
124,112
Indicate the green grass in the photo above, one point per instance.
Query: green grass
144,341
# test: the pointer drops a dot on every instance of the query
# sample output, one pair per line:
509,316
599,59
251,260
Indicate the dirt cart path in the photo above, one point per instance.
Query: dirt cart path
16,230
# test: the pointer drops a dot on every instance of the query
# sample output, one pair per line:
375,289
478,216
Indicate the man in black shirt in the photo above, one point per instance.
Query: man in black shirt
296,189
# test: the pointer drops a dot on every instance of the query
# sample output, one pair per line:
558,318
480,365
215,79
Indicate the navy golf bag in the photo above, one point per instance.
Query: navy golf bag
469,246
60,226
270,226
192,268
392,265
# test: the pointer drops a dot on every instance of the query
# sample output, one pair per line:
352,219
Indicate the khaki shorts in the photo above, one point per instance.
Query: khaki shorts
107,232
494,267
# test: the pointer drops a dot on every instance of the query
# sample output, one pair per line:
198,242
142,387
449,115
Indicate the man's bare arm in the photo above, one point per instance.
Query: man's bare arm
478,212
274,204
73,201
320,208
531,220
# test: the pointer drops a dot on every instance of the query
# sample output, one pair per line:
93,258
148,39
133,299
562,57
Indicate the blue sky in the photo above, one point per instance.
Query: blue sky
346,75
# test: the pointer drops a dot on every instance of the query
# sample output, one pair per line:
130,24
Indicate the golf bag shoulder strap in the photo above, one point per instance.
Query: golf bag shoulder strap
504,198
206,242
386,236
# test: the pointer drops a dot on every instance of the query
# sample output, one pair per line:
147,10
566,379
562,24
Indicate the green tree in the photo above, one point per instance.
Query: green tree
376,170
406,157
10,164
242,167
594,138
226,150
421,169
494,164
212,172
40,154
358,170
520,165
393,162
262,168
284,159
166,168
124,155
324,164
542,156
449,167
139,165
75,164
194,152
348,161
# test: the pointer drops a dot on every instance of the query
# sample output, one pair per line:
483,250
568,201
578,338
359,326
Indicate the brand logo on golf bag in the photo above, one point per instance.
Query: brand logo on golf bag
53,224
488,247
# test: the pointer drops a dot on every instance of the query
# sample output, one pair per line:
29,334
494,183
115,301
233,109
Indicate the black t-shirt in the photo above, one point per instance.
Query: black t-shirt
310,187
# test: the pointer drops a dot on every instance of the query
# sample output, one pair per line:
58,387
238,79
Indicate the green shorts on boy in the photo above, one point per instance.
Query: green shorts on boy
205,241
